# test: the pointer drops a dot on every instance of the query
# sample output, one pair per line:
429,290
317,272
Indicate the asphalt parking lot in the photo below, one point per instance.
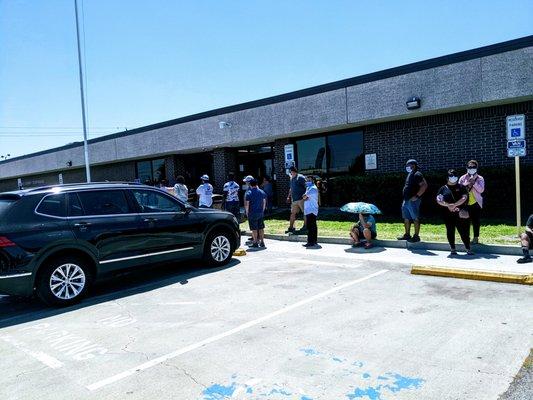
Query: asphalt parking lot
280,323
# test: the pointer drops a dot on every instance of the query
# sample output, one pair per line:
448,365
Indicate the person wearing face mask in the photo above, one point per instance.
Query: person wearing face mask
310,198
475,184
453,198
414,188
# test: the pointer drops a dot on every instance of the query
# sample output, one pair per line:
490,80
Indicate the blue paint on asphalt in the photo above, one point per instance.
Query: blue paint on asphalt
366,375
375,392
404,382
337,359
310,352
279,391
305,398
219,392
358,364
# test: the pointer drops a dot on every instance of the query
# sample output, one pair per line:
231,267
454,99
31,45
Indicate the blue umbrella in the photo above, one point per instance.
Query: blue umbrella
360,207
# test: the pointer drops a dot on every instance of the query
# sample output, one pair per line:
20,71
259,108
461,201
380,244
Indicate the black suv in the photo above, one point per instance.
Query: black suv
57,240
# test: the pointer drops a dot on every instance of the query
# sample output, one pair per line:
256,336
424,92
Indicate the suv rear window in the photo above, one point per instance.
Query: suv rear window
53,205
5,204
104,202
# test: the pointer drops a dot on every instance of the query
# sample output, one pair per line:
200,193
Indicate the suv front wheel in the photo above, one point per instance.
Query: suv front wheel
218,249
64,281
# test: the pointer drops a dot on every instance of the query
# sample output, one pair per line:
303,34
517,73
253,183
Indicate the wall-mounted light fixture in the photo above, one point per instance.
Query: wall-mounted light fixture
224,124
413,103
69,163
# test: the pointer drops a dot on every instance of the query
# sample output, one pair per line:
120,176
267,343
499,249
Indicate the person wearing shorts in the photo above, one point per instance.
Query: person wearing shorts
295,197
414,188
526,239
364,228
254,205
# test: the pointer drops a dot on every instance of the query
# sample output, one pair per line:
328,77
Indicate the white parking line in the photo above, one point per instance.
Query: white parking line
46,359
240,328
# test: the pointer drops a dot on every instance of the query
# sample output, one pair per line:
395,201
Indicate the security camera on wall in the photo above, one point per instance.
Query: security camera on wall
224,124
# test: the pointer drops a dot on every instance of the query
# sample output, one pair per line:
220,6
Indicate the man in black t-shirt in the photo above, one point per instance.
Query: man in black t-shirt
414,188
526,239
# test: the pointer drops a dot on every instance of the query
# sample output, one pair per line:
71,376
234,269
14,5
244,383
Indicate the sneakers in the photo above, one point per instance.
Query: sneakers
290,230
308,245
262,244
404,237
368,246
414,239
453,252
470,253
524,260
254,245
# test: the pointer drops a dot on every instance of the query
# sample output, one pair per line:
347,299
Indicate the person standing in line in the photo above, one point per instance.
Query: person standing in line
254,206
296,192
180,189
205,193
310,198
414,188
267,188
526,239
453,197
231,196
475,184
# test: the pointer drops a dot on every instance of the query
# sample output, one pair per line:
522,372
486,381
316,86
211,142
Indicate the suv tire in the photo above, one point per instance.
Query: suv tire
64,281
218,248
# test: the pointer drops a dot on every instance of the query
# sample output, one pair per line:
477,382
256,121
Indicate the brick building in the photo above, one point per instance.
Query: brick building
464,100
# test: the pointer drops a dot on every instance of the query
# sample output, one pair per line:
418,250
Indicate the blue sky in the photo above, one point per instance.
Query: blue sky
150,61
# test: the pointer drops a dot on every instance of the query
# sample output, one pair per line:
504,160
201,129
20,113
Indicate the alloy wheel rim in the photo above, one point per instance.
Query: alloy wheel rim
67,281
220,248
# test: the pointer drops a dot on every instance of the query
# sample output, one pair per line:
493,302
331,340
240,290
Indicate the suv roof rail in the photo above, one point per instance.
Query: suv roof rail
35,189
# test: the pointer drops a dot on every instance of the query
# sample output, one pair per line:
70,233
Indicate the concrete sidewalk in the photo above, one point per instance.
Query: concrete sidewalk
416,255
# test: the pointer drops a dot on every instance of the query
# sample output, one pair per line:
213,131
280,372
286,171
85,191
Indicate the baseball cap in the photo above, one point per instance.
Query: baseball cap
248,178
411,161
204,177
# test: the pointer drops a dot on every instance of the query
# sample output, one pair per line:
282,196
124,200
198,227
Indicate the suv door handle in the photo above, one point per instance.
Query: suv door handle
82,224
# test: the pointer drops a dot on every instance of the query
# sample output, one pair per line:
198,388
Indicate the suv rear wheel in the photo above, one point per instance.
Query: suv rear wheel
218,249
64,281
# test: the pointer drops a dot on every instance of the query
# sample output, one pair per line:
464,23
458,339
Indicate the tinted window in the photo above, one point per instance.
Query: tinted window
74,205
153,201
104,202
5,204
345,152
53,205
312,156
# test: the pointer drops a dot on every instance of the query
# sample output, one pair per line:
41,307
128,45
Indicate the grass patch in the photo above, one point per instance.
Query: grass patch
492,232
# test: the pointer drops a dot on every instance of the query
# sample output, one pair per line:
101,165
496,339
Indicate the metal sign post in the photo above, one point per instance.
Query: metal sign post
516,147
517,178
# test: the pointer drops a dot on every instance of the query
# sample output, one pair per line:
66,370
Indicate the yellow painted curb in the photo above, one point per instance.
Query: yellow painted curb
239,252
524,279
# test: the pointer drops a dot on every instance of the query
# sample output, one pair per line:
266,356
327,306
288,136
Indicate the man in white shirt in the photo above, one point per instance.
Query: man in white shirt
310,198
205,193
231,196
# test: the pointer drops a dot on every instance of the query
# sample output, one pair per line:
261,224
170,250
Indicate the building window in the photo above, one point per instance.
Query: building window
151,172
312,156
344,154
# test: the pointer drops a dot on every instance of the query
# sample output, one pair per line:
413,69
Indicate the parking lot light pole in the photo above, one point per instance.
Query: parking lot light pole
85,146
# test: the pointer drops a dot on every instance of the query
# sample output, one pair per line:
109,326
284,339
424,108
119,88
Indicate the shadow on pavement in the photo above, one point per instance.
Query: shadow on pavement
16,310
422,252
362,250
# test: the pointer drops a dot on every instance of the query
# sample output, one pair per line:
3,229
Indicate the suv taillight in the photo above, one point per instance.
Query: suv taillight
5,242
